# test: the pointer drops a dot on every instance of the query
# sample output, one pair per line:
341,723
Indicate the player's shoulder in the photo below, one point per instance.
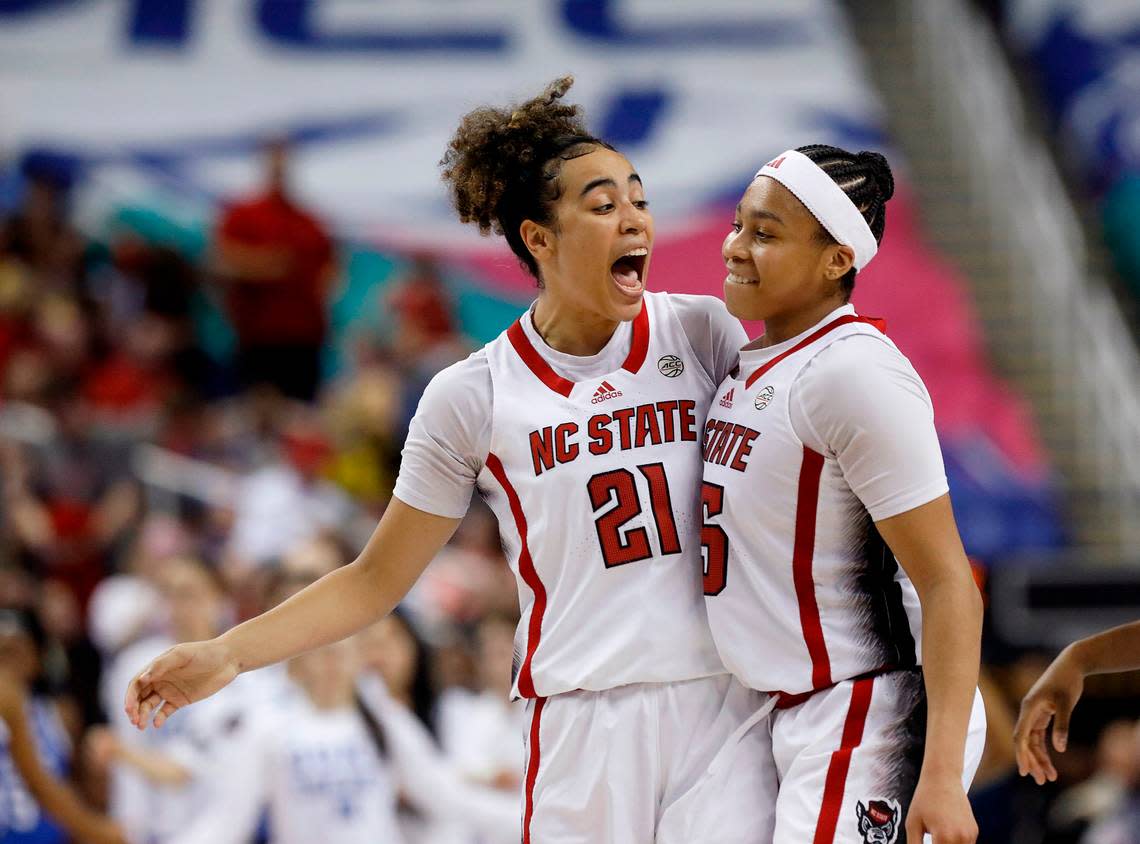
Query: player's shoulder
463,381
859,364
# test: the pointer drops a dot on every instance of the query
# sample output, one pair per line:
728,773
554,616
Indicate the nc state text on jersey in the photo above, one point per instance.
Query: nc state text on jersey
728,443
626,427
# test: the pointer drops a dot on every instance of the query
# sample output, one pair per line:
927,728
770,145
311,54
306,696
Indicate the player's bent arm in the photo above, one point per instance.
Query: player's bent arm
1057,691
56,798
338,605
926,543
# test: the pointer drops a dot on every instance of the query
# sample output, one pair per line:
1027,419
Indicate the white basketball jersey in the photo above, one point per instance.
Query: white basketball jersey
801,590
595,486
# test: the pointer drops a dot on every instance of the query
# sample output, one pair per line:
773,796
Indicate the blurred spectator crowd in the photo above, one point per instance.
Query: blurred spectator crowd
1085,57
156,491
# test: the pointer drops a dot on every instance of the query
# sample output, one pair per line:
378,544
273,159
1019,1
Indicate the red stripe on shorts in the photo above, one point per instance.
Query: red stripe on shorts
529,576
803,552
841,761
532,768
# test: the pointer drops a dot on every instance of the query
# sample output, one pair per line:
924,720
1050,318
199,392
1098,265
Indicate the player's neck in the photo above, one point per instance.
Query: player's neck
781,327
569,329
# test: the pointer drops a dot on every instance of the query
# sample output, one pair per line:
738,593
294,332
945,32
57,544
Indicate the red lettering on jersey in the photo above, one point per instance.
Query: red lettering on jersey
724,434
542,449
565,451
740,459
623,418
728,444
647,426
688,412
734,437
601,438
667,409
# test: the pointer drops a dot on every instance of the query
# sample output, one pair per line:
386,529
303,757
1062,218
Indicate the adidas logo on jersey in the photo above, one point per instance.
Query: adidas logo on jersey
605,390
726,399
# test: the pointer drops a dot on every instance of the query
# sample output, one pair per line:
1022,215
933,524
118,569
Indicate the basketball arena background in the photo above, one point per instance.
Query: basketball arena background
1009,274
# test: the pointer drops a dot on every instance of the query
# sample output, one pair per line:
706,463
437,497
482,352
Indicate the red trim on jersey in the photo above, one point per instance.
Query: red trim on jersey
536,363
846,319
529,576
803,552
639,346
841,761
532,768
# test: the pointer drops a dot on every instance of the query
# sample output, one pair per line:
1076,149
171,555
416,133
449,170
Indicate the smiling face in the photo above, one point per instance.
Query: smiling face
594,257
778,264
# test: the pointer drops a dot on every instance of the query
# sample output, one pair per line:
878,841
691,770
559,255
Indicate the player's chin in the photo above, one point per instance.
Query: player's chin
625,306
744,301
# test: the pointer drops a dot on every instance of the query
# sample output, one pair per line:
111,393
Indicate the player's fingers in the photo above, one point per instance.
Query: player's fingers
1061,725
132,698
165,712
914,826
1042,765
148,705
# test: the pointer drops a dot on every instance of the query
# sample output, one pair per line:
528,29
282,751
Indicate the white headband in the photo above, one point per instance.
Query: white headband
825,200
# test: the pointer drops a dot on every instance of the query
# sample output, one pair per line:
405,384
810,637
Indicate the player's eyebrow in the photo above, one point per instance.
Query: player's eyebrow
762,214
607,182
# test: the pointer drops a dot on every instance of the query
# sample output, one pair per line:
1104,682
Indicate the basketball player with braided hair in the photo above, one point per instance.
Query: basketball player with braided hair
835,577
579,426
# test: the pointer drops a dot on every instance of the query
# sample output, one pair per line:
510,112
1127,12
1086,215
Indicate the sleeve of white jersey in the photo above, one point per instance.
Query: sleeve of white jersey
448,440
714,334
861,402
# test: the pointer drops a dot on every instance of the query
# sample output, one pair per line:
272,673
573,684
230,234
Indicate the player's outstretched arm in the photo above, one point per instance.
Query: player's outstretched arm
1057,691
336,606
925,540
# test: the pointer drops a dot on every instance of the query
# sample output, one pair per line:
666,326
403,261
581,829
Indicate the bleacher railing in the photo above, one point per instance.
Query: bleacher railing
1076,327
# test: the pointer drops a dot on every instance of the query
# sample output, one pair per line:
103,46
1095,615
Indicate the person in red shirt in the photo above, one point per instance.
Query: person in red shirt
277,261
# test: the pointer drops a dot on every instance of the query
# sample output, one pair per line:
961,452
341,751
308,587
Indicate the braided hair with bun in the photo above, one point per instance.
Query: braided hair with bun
867,180
502,164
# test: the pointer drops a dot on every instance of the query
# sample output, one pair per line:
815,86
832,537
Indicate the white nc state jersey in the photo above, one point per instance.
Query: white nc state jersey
595,486
801,590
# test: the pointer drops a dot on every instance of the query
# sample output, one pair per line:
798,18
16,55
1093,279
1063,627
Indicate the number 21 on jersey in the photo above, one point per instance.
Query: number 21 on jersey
620,486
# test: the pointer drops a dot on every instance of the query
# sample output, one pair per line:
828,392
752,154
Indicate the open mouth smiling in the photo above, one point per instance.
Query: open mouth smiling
628,271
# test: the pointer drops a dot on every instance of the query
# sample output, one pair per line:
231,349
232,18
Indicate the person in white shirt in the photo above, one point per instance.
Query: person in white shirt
579,427
835,577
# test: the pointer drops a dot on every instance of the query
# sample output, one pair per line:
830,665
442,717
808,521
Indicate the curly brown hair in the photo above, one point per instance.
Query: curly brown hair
502,164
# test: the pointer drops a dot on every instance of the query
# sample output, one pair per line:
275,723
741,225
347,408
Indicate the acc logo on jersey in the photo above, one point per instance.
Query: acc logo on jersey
670,366
878,821
764,397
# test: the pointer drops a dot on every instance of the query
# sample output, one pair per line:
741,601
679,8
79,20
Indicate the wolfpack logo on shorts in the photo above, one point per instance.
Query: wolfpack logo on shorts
878,821
792,558
595,486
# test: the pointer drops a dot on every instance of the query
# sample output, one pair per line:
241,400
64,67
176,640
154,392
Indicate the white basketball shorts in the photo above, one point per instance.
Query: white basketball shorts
667,763
848,760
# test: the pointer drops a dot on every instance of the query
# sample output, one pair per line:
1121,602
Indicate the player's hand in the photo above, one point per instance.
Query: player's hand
940,809
184,674
1052,698
100,745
